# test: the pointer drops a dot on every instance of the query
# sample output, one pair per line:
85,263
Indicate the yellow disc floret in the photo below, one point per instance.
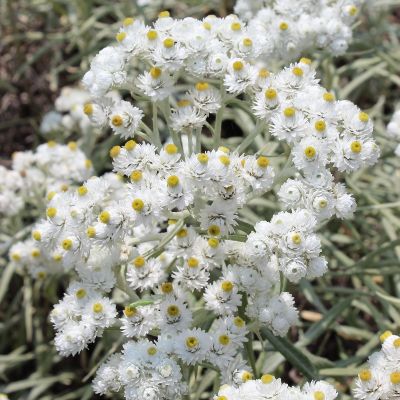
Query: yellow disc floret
227,286
151,351
168,43
283,26
67,244
139,262
91,232
193,262
88,108
236,26
328,97
120,36
202,158
262,162
192,342
72,145
247,42
305,60
130,311
182,233
296,238
320,125
363,117
213,242
201,86
173,310
246,376
37,236
224,340
267,378
97,308
164,14
225,160
80,293
172,181
35,253
385,335
297,71
239,322
152,34
310,152
289,112
128,21
171,149
155,72
271,94
396,343
51,212
395,378
104,217
237,65
167,287
214,230
114,152
365,375
82,190
318,395
136,176
137,204
130,145
117,120
356,146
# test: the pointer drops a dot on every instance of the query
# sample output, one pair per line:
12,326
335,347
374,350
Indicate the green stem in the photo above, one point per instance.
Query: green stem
156,133
250,138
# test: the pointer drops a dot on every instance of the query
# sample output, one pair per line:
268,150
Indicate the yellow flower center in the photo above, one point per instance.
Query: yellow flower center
51,143
155,72
167,287
50,195
184,103
37,236
152,34
201,86
67,244
239,322
64,187
104,217
117,120
97,308
202,158
271,94
283,26
182,233
323,203
51,212
139,262
238,65
365,375
91,232
224,340
15,256
164,14
297,71
289,112
207,26
318,395
80,293
128,21
263,73
305,60
310,152
192,342
213,242
193,262
151,351
72,146
172,181
136,176
115,151
82,190
267,378
246,376
227,286
88,109
296,238
224,149
356,146
247,42
396,343
225,160
88,164
236,26
395,378
320,125
138,204
263,162
329,97
173,310
130,145
120,36
214,230
130,311
168,43
170,148
353,10
385,335
35,253
41,274
363,117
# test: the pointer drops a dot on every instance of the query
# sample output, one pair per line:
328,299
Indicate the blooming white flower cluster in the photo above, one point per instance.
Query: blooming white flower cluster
296,28
68,115
36,176
381,380
165,230
393,130
268,387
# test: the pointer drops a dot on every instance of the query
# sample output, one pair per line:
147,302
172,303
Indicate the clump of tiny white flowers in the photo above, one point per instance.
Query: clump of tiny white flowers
393,130
291,29
380,380
268,387
168,222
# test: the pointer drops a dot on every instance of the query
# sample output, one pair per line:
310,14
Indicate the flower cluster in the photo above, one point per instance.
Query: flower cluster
268,387
68,115
37,177
393,130
294,29
381,380
166,229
